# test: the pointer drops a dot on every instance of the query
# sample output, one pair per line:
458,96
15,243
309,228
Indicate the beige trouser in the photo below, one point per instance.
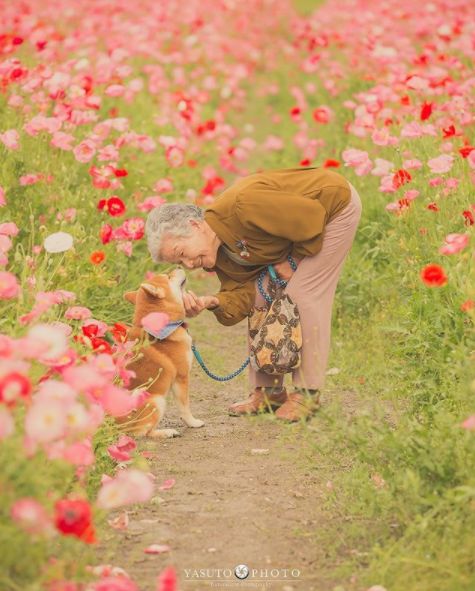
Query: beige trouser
312,287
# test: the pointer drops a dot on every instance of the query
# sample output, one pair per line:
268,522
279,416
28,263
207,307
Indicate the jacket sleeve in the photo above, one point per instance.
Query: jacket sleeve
287,215
235,299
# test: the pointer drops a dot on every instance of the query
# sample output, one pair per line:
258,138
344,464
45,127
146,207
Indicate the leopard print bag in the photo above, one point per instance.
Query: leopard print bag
276,334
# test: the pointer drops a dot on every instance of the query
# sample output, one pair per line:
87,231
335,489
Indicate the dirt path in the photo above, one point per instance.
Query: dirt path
240,497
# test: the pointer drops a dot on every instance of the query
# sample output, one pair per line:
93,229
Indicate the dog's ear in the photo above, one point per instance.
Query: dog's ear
157,292
130,296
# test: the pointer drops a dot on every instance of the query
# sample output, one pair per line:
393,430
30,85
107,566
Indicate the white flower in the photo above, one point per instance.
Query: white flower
58,242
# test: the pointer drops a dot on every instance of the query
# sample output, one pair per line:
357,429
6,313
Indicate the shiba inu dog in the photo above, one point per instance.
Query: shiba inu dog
165,357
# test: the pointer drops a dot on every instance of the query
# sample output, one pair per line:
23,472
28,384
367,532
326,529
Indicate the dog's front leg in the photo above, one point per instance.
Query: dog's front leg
180,389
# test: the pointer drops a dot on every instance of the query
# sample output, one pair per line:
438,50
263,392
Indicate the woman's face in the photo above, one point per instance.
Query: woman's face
197,250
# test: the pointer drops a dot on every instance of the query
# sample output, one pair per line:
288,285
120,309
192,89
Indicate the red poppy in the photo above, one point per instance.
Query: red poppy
305,162
105,233
405,100
321,115
467,305
115,206
465,151
401,177
331,163
97,257
433,206
119,332
449,131
73,517
100,345
90,330
426,111
119,172
433,275
468,215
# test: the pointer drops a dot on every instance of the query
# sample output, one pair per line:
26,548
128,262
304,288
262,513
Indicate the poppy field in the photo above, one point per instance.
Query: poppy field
110,108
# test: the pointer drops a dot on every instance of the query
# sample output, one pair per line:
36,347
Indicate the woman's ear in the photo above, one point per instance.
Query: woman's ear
130,296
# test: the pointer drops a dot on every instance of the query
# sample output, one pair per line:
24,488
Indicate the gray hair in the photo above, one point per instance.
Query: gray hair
170,219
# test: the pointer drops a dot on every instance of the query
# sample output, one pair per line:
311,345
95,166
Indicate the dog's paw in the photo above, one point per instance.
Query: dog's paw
163,433
192,422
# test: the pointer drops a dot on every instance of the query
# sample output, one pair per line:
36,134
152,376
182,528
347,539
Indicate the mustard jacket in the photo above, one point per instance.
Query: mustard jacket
276,212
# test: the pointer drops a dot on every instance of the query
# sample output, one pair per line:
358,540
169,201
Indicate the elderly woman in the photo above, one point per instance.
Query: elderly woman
310,214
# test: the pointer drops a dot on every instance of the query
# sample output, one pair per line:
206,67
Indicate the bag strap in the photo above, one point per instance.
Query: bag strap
273,275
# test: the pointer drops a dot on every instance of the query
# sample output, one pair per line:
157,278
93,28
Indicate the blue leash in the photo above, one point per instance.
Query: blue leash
277,280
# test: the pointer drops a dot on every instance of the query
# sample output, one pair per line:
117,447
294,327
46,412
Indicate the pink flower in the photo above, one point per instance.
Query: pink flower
79,453
454,243
115,90
382,167
469,423
120,451
128,487
120,583
46,422
117,401
155,321
164,185
150,203
3,201
174,156
31,516
30,179
77,313
413,163
441,164
9,287
9,229
167,580
358,159
84,152
10,139
167,484
62,140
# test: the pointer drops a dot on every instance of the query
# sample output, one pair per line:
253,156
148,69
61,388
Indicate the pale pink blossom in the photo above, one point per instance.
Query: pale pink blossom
469,423
164,185
174,156
31,516
441,164
62,140
84,152
3,201
454,243
9,229
46,422
77,313
358,159
9,286
53,341
382,167
128,487
10,139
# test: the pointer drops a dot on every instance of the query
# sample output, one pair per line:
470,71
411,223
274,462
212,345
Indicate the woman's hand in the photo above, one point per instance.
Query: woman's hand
195,304
284,269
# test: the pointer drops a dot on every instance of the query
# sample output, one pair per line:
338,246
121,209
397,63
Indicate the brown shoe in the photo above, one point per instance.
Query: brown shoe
258,401
298,406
